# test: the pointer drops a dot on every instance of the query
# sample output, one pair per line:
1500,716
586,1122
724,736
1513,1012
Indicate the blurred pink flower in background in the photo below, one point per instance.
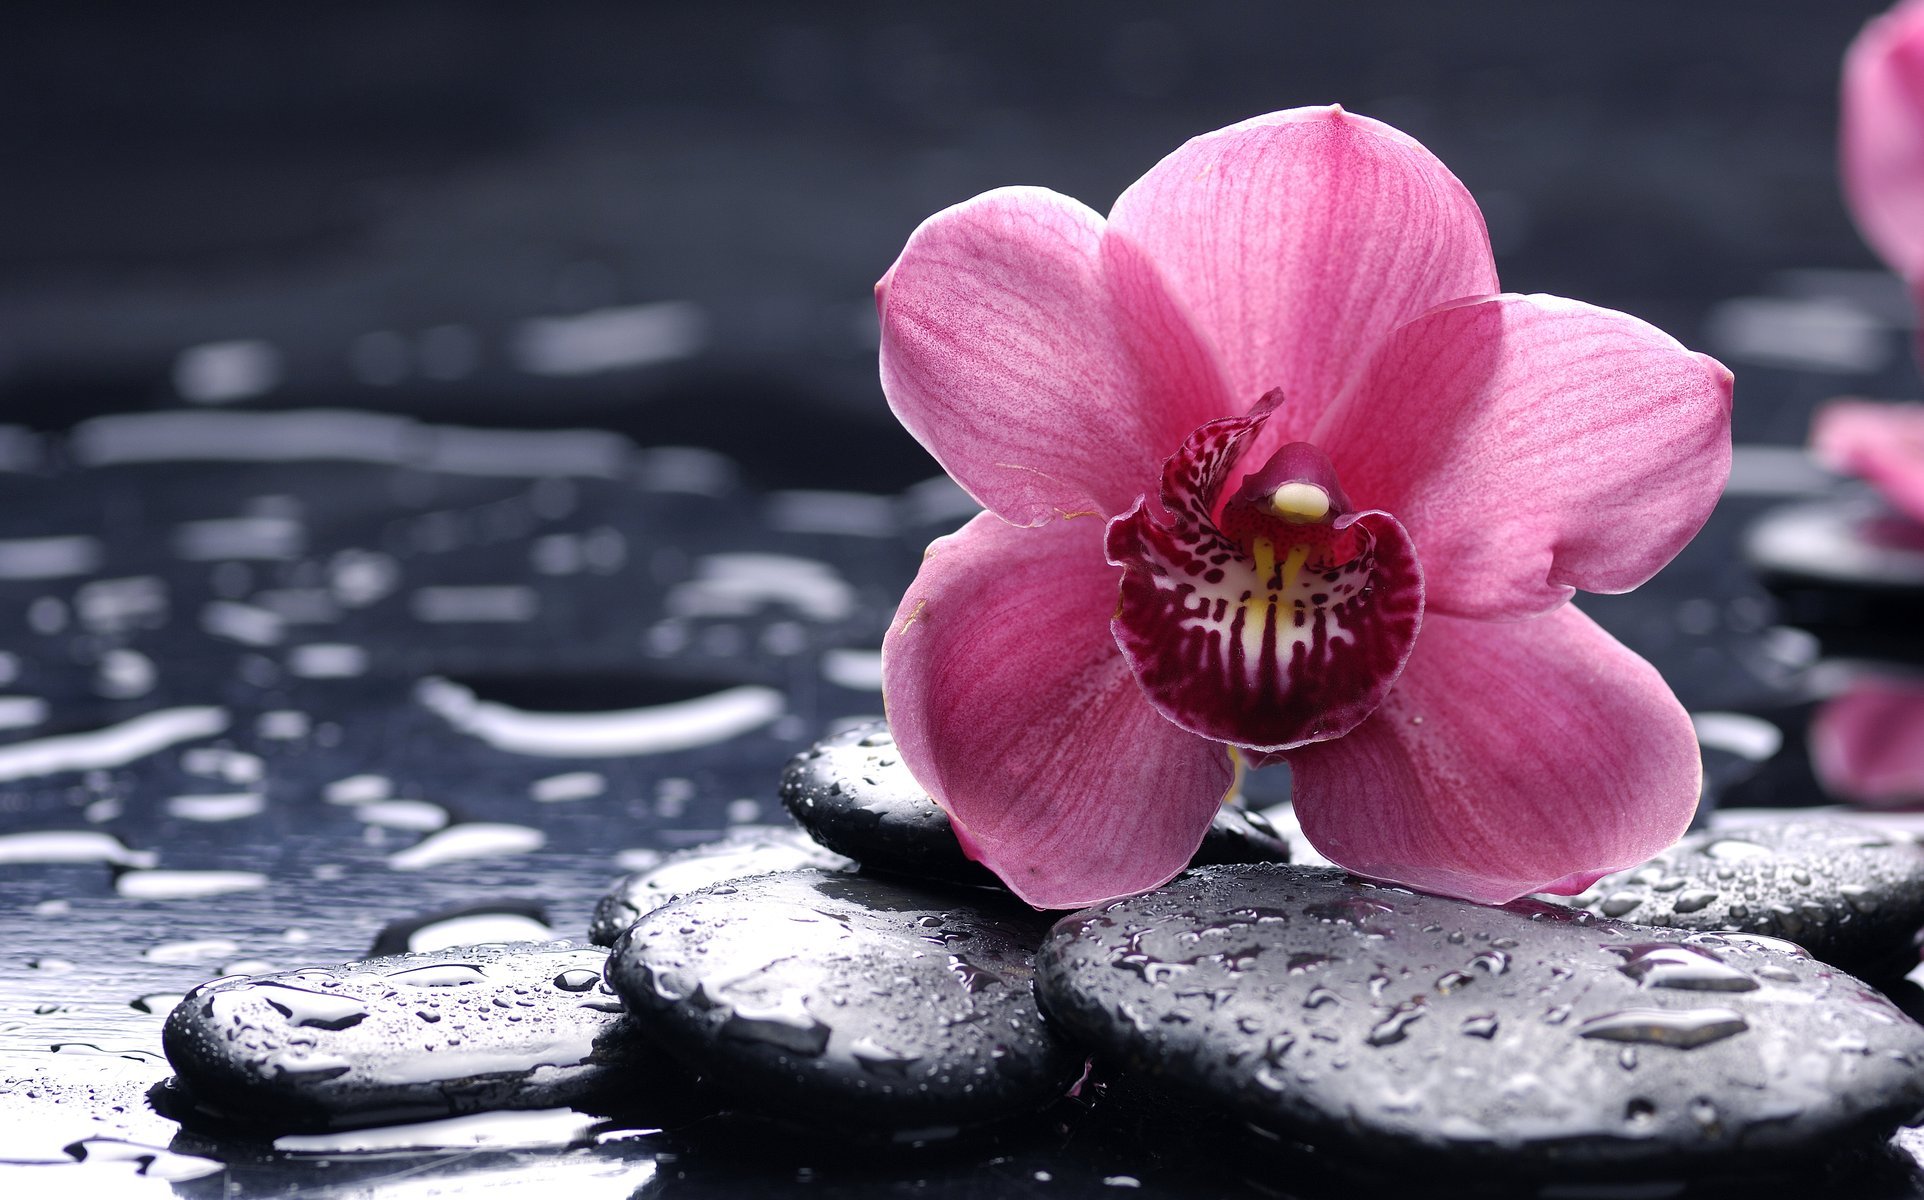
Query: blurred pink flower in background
1883,136
1879,442
1269,464
1867,744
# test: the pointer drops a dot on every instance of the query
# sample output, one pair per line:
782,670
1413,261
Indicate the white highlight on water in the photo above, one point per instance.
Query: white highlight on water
230,806
849,514
657,729
740,585
574,785
458,843
609,339
475,603
359,789
71,846
265,538
48,557
418,816
327,660
22,712
113,746
223,372
341,435
186,885
857,670
476,929
1745,736
527,1129
243,623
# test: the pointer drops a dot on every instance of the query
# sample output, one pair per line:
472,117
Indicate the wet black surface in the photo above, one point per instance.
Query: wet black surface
383,206
751,850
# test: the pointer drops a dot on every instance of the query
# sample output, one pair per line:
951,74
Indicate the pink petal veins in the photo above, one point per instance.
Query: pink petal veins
1010,704
1882,138
1883,443
1295,241
1512,757
1868,743
1270,626
1004,352
1534,445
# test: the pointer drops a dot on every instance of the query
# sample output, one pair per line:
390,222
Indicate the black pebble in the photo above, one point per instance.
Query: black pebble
407,1037
853,794
1399,1027
1850,895
864,1005
750,850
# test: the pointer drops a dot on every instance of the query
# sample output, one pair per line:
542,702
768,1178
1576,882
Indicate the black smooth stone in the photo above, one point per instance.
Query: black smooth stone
865,1005
1849,570
1532,1039
750,850
408,1037
1852,896
853,794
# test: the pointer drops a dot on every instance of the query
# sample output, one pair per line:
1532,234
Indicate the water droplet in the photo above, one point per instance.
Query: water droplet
1452,980
1693,900
975,978
1734,850
1493,960
1682,1029
1395,1027
1481,1025
1320,996
440,975
1620,903
576,980
1859,897
1690,968
315,1009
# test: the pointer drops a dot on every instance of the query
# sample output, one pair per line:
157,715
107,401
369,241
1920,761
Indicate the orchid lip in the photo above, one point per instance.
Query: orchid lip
1282,620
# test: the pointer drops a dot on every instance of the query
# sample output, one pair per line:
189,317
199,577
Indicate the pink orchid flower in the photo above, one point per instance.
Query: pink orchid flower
1867,744
1270,465
1883,136
1878,442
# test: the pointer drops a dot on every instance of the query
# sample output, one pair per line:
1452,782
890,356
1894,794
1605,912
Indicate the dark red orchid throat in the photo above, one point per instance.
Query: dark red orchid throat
1273,618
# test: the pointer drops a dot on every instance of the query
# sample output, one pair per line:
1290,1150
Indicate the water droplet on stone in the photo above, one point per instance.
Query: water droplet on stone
1688,968
1682,1029
1620,904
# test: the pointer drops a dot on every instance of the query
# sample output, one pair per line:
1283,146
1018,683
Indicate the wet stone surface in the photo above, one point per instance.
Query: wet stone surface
408,1037
854,795
845,1000
1852,896
1528,1039
751,850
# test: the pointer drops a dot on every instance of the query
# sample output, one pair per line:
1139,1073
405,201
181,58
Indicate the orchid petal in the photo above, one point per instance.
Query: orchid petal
1512,757
1868,743
1297,240
1006,354
1882,443
1883,135
1534,445
1270,649
1012,708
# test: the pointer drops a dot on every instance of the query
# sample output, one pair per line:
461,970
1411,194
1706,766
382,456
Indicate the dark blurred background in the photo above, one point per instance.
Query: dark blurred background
666,219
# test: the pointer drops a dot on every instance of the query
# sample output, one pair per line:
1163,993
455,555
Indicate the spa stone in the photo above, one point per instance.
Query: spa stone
863,1005
408,1037
854,795
1851,895
1377,1022
751,850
